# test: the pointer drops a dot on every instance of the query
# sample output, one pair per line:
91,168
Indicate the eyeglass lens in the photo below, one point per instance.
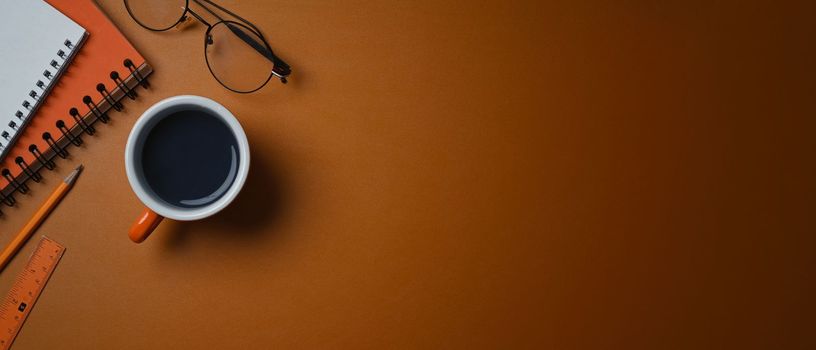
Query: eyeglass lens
156,14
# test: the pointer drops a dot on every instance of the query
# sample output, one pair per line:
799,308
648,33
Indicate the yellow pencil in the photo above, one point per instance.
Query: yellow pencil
38,218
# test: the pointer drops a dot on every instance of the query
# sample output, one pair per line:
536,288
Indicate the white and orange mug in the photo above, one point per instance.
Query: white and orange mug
143,178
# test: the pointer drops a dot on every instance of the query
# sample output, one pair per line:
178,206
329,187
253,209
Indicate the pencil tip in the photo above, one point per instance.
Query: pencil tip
73,175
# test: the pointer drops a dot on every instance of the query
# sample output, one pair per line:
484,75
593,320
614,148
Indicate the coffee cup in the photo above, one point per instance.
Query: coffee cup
186,158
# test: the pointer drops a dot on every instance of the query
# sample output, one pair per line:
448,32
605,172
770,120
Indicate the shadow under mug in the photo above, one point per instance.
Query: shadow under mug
157,208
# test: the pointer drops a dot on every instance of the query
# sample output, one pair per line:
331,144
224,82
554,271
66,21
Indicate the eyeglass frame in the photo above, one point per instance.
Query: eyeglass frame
280,69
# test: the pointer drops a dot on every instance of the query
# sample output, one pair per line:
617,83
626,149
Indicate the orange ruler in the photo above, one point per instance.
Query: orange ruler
27,288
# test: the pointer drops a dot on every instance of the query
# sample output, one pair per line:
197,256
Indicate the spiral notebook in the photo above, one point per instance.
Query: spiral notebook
38,44
104,74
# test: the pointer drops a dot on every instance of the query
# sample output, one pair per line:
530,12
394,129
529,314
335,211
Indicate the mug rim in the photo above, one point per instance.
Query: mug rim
165,209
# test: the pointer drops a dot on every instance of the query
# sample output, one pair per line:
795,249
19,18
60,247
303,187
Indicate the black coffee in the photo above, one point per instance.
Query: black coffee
190,158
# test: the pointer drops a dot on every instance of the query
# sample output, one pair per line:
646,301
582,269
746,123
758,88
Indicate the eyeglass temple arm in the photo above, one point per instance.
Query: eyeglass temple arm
199,18
221,8
281,69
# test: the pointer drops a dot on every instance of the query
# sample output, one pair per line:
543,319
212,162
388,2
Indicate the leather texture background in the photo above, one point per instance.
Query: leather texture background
467,174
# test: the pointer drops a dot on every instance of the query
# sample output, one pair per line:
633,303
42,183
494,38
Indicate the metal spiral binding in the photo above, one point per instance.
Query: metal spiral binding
8,200
102,116
22,187
121,84
47,163
76,140
34,175
135,72
81,122
61,152
106,95
70,135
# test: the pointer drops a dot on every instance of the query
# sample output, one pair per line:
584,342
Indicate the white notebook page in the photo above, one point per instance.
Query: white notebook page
32,35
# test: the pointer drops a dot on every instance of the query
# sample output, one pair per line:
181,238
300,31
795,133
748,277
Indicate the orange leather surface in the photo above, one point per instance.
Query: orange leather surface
481,174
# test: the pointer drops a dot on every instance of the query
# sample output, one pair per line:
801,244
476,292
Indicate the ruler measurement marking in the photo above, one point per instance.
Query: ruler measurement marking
28,286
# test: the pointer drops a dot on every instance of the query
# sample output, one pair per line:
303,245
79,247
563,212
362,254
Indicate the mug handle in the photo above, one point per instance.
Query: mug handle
144,225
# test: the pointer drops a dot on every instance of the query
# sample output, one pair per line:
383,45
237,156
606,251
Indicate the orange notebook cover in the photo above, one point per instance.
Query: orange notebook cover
104,54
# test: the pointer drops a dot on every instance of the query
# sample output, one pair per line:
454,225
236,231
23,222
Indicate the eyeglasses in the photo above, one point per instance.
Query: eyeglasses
237,54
